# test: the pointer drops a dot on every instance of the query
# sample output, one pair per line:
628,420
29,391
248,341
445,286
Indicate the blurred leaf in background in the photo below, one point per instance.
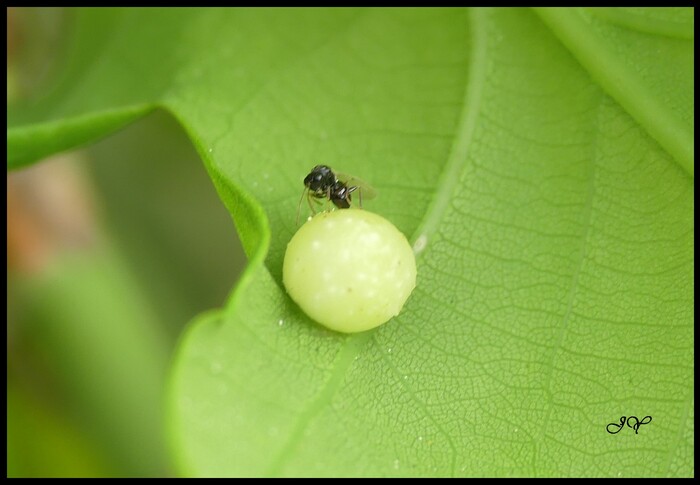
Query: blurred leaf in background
542,163
104,270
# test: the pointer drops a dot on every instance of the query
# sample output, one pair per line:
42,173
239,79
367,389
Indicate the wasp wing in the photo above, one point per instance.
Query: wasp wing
368,192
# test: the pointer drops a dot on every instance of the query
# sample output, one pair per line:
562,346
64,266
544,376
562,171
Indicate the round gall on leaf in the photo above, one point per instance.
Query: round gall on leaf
350,270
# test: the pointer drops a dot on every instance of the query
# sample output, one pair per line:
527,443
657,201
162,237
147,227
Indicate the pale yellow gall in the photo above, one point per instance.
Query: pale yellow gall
350,270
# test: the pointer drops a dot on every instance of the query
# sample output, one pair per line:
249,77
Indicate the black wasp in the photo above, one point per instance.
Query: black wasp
323,183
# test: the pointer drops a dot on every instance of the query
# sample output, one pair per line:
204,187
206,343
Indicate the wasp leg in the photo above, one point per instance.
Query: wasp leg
350,191
305,192
308,199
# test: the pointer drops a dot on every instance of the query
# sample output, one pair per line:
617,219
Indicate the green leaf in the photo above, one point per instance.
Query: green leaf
542,162
105,350
42,443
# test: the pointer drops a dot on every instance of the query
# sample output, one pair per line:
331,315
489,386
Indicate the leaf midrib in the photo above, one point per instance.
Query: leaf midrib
444,193
458,158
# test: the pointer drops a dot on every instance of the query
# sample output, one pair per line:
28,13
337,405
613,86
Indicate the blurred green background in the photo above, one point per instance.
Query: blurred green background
111,251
